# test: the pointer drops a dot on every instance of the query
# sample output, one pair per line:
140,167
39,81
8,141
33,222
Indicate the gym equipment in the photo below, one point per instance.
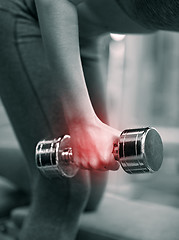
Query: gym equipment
138,151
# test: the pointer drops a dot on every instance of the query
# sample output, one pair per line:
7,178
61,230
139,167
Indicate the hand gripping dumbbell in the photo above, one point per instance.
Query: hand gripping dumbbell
138,151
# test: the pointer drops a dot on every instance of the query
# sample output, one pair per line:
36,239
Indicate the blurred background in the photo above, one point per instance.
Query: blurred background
143,90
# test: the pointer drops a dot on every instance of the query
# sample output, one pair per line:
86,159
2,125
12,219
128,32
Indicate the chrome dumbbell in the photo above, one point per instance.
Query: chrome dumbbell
138,151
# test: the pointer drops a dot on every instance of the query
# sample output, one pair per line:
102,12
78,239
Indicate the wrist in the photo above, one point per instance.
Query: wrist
82,121
81,112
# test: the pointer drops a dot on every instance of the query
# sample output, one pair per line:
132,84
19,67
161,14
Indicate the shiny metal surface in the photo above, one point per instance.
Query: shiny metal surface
54,158
138,151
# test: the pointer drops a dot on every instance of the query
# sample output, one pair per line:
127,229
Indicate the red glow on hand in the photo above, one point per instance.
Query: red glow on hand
92,146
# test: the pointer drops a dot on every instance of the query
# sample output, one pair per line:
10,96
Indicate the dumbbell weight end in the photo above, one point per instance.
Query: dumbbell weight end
138,151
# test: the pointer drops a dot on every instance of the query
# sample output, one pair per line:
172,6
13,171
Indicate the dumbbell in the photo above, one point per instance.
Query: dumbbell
138,151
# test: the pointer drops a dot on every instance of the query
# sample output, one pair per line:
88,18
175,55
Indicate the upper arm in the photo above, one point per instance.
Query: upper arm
57,16
59,27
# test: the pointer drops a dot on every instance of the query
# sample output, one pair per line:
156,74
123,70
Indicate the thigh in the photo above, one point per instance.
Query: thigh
31,101
35,111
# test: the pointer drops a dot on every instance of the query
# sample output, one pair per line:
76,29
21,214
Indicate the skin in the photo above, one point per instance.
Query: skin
69,197
93,149
91,138
70,29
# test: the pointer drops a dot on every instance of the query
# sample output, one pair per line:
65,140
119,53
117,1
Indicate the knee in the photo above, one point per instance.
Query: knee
55,196
97,189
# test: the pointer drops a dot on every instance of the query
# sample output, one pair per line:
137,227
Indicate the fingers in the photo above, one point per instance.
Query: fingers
111,163
101,165
94,149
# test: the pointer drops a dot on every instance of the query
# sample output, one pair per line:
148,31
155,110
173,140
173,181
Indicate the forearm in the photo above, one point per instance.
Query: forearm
91,140
94,55
59,27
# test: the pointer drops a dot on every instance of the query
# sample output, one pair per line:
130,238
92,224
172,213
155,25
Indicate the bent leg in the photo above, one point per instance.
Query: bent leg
34,109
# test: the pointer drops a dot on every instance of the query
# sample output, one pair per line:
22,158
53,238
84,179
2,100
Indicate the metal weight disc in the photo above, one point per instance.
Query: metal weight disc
153,150
65,158
140,150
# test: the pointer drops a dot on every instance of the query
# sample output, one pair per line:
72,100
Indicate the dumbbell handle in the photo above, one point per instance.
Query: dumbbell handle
138,151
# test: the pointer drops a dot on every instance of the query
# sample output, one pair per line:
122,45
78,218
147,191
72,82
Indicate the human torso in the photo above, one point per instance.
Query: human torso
95,16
